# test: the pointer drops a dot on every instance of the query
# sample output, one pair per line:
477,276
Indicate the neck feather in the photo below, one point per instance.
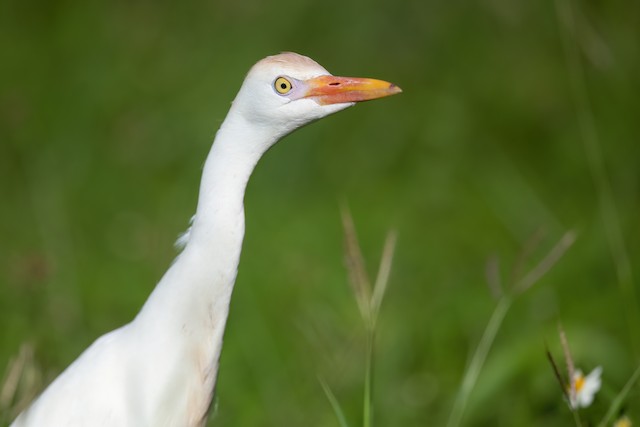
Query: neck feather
191,302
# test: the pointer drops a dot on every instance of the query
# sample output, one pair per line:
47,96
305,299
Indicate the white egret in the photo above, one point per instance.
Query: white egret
160,369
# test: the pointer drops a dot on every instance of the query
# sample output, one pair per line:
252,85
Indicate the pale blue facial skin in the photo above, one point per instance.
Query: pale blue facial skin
298,90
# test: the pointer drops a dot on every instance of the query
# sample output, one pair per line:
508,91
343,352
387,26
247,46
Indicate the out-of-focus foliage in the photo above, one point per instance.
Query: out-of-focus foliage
107,111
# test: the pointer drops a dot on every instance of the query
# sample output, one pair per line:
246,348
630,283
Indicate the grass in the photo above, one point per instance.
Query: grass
23,380
617,403
567,18
369,300
505,302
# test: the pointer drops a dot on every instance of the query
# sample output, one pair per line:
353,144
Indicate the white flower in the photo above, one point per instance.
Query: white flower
582,389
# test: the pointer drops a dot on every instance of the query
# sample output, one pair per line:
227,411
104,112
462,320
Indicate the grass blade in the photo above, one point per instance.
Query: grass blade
355,266
479,357
384,271
596,163
342,421
617,402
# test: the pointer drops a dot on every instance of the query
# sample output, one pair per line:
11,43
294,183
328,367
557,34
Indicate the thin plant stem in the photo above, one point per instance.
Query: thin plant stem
368,379
571,372
382,278
576,417
597,168
342,421
617,402
547,262
369,301
556,371
479,357
569,361
358,277
495,322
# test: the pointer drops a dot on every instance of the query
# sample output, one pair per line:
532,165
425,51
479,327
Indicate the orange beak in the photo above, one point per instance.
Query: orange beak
337,90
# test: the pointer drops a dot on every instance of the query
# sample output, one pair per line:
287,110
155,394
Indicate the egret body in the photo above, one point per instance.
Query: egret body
160,369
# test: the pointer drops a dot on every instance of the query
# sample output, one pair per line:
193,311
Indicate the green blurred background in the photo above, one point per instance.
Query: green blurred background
108,109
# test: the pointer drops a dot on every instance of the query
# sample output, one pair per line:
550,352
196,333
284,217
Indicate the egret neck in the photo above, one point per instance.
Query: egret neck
207,267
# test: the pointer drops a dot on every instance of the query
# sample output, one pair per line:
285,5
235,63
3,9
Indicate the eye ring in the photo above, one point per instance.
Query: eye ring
282,85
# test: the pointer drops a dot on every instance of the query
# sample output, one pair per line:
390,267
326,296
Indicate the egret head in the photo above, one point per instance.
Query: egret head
288,90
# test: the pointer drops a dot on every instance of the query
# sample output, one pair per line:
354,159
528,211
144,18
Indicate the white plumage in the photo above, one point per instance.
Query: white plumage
160,369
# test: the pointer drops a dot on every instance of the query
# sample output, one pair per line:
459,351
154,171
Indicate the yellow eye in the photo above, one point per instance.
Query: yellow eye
282,85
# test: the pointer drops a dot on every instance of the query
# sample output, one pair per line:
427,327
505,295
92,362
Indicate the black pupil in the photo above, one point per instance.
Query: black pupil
283,85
